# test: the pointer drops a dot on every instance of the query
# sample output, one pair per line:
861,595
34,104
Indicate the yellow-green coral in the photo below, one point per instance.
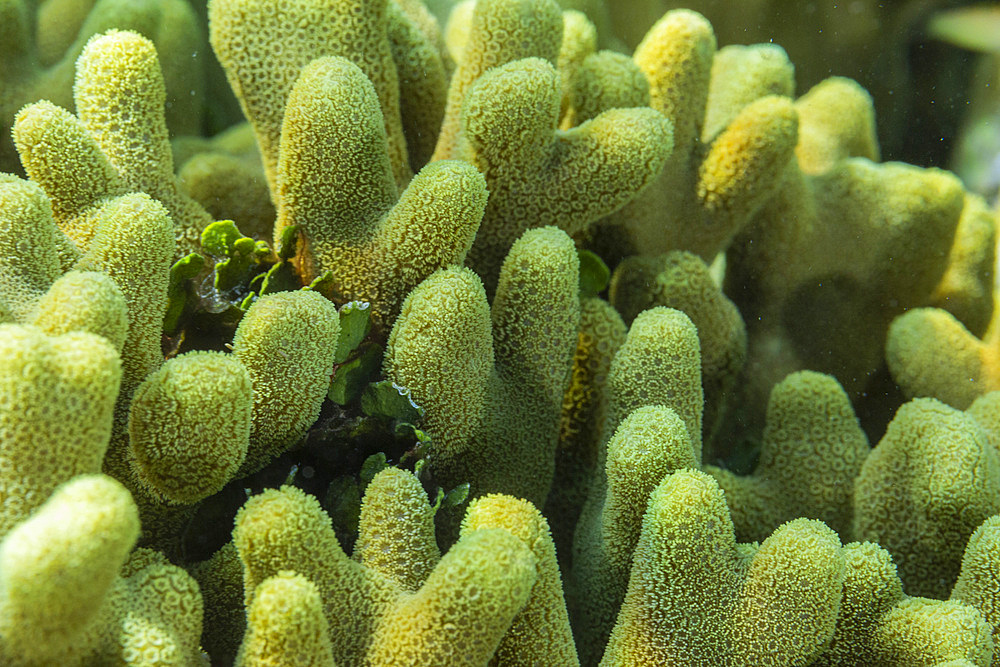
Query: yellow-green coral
421,67
25,226
579,41
809,417
659,364
680,280
134,244
711,185
334,181
835,122
189,425
916,341
504,107
649,444
694,594
930,482
540,632
493,398
582,422
286,341
963,321
539,175
264,45
120,138
33,289
396,529
131,243
604,80
84,301
978,583
57,396
71,594
61,156
220,581
741,74
285,625
57,567
892,226
154,616
443,622
905,237
871,589
822,248
966,289
499,32
282,529
463,610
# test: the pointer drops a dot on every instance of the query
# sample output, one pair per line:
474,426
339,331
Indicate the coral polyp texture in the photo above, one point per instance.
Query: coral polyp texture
480,340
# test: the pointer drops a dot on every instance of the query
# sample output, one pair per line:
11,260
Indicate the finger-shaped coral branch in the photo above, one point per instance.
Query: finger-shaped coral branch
287,530
694,594
57,567
712,184
584,414
966,288
421,69
916,341
264,44
220,580
789,596
493,417
649,444
964,321
57,397
133,244
189,425
450,382
684,580
334,181
119,144
499,32
809,417
286,342
880,625
539,175
740,75
42,44
396,529
119,96
930,482
463,610
978,582
285,623
155,611
659,364
579,41
84,301
60,154
836,121
540,632
681,280
29,247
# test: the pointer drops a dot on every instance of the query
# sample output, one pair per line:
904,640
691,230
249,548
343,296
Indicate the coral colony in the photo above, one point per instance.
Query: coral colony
471,343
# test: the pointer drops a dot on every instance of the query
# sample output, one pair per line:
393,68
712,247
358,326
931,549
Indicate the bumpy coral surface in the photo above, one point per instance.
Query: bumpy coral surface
477,344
